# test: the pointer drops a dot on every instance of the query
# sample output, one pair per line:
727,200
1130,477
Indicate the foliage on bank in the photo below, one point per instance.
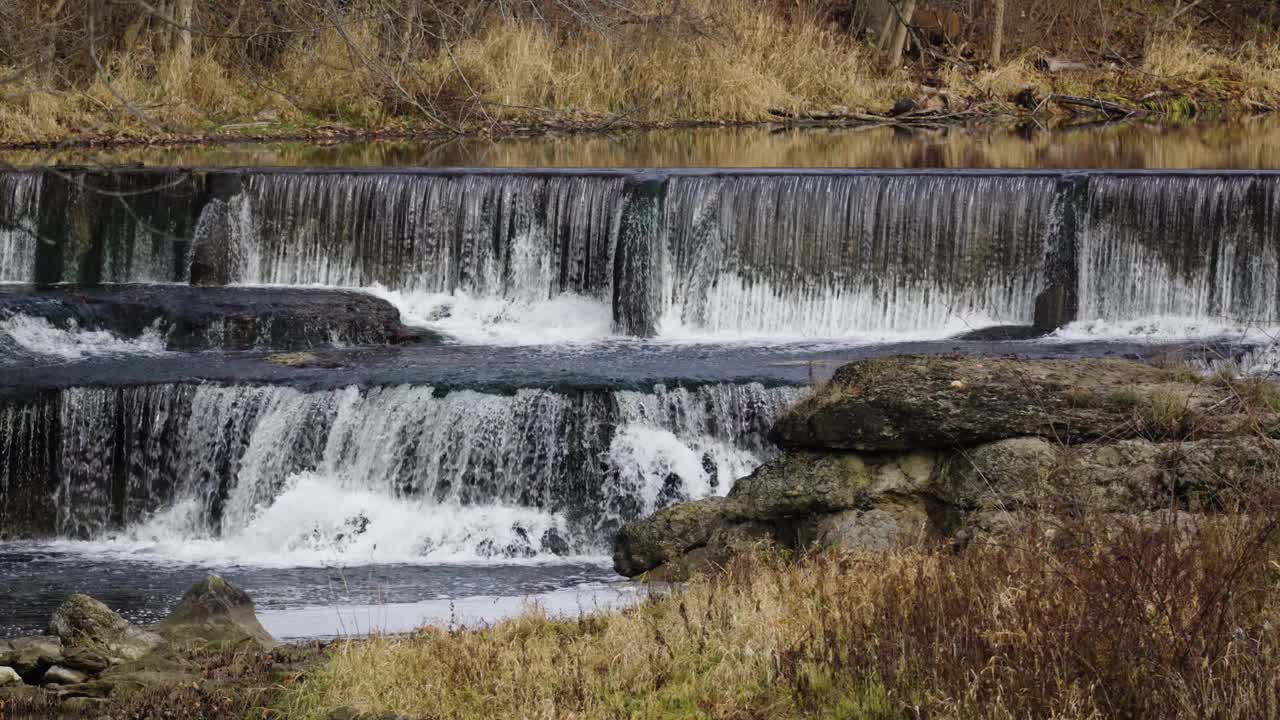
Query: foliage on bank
1088,618
323,68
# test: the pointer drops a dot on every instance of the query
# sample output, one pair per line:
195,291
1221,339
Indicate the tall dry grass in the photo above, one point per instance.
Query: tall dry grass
1101,618
713,59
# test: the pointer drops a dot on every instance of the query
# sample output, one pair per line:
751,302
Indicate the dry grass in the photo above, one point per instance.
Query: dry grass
715,60
1118,618
738,62
1254,69
637,60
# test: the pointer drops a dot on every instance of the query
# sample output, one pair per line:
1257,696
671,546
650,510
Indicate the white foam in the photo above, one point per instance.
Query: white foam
36,335
317,521
1166,328
566,318
646,457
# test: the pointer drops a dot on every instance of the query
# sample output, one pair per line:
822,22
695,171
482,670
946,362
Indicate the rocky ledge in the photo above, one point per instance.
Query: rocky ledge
217,318
91,653
903,449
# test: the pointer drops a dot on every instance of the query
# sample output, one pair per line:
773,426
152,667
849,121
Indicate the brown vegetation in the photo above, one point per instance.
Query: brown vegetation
106,71
1100,617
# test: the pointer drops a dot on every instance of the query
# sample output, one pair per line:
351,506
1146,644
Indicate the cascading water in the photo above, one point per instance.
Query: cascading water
521,236
1198,247
417,472
829,254
482,254
422,458
803,255
19,235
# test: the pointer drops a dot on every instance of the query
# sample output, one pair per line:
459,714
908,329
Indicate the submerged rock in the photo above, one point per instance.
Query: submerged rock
218,318
215,612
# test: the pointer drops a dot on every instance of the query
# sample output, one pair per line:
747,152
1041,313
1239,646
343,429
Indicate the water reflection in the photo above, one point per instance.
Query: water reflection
1250,144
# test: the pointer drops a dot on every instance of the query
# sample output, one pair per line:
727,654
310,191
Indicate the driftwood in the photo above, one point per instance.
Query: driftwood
916,118
1057,65
1104,106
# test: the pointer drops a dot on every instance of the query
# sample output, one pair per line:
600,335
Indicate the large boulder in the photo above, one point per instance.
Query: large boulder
94,635
802,483
9,676
668,534
914,403
1124,476
880,528
30,657
215,613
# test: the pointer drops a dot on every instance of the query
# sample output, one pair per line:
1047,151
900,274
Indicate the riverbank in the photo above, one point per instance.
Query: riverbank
1110,620
1106,550
708,64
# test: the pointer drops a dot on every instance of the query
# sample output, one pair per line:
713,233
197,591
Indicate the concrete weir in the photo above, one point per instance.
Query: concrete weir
724,250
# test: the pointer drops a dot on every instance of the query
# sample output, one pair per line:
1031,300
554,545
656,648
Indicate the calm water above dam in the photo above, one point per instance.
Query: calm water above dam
549,338
1251,144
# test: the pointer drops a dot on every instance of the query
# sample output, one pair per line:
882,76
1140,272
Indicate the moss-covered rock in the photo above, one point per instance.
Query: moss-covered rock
801,483
98,635
668,534
915,403
1124,476
880,528
215,613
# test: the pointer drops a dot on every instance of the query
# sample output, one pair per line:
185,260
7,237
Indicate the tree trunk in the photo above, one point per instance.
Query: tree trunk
183,13
997,33
410,30
904,13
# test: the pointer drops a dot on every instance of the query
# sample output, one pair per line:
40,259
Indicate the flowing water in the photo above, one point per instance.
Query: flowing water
586,345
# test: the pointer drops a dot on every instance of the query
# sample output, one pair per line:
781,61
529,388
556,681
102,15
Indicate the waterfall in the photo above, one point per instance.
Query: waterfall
1197,246
807,255
210,462
830,254
19,236
679,252
521,236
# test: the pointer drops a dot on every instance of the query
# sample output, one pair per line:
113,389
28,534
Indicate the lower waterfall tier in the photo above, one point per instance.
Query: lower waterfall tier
393,473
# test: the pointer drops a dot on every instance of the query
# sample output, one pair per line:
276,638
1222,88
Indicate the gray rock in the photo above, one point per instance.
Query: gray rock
721,546
668,534
59,675
85,659
214,612
31,656
880,528
1121,477
802,483
914,403
9,676
100,634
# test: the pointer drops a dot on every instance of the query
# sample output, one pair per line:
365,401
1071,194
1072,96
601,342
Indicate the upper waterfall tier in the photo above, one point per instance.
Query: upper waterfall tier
722,253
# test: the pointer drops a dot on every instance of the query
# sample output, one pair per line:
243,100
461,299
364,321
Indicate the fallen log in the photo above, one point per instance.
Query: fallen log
1059,65
1104,106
